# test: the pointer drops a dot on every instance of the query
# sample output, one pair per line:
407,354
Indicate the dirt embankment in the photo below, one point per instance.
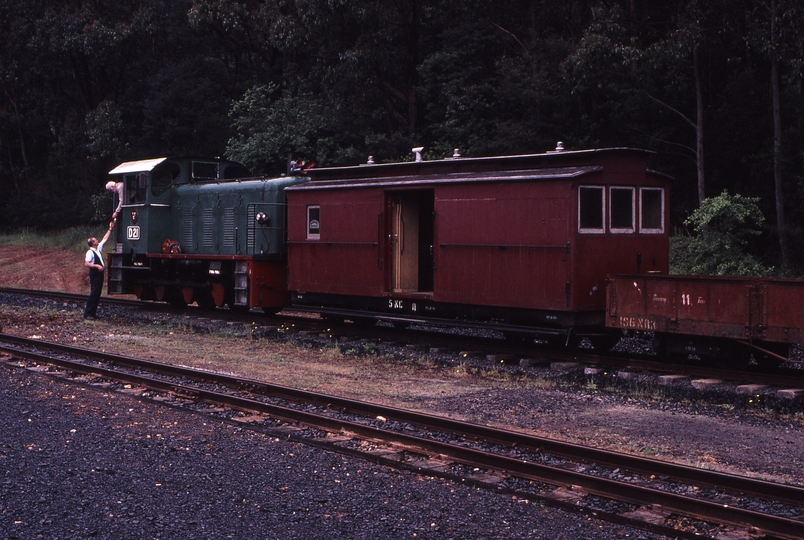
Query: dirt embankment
27,267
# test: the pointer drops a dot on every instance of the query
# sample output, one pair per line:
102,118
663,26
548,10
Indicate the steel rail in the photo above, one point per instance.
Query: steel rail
788,380
59,295
682,473
641,495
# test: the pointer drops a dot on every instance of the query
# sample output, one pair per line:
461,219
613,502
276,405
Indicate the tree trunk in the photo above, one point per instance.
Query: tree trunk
699,131
23,152
777,143
413,61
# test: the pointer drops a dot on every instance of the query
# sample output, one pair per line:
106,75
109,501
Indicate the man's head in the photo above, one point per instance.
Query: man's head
92,242
110,186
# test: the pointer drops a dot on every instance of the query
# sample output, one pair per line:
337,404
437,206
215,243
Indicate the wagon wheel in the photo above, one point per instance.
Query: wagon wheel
768,360
518,337
735,356
604,342
368,322
562,341
663,351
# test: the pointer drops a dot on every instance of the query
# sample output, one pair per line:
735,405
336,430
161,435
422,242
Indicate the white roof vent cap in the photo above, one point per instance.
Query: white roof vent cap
560,146
418,152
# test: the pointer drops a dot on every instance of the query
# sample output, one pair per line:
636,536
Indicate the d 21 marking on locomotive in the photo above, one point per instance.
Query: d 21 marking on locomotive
132,232
637,323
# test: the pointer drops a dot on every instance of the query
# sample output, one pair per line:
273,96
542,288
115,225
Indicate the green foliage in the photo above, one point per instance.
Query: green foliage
85,85
723,227
104,128
270,125
72,238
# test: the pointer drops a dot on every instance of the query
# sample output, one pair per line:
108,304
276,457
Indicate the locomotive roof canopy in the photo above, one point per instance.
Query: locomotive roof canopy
143,165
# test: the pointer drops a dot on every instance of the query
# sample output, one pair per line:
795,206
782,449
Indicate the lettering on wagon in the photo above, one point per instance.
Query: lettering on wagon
637,323
686,300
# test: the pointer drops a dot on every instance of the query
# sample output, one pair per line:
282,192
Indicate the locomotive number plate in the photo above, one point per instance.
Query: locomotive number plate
132,232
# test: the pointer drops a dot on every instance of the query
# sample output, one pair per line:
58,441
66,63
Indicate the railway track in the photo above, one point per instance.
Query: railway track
72,297
498,350
654,495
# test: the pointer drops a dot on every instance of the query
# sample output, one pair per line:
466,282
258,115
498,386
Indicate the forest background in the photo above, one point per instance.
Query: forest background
714,87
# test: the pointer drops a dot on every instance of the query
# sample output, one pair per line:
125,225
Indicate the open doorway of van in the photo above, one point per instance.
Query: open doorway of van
410,241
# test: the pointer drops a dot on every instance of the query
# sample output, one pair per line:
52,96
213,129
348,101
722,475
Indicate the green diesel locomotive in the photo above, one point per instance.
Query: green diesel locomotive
200,230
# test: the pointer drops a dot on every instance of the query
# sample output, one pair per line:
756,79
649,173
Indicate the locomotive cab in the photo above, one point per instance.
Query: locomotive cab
148,191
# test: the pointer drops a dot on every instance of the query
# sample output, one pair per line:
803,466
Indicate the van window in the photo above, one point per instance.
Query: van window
313,222
651,210
621,210
591,209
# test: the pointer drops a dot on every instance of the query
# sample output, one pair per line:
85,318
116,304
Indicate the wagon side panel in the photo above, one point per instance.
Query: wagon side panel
502,245
333,244
704,306
781,315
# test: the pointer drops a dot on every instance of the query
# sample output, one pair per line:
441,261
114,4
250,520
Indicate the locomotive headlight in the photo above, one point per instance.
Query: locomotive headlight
261,218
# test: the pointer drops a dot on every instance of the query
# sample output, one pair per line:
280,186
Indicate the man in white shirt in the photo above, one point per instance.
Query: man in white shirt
94,261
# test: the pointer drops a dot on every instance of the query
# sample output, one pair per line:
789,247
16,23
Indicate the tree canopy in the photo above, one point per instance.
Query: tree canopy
725,227
713,86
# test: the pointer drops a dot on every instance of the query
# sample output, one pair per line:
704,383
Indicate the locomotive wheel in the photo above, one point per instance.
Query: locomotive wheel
177,301
205,300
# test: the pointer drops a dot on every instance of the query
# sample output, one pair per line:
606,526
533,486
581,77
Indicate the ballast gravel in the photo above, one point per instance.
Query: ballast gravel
82,462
